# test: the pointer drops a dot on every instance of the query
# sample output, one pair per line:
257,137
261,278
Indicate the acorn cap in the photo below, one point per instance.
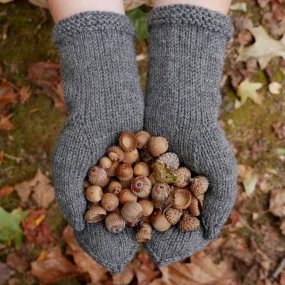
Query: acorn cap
170,159
160,192
194,208
199,185
115,153
173,215
184,177
128,141
144,233
182,199
95,214
188,223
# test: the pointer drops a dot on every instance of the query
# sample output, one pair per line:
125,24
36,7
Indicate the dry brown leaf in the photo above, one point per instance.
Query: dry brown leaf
277,202
5,123
7,94
85,264
54,268
145,275
4,273
201,271
6,191
24,94
43,192
125,277
17,262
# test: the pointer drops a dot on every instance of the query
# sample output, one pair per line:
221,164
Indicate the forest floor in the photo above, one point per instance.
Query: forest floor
37,246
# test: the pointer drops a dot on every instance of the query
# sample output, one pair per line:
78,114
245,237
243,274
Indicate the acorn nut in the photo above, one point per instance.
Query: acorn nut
144,233
141,186
126,196
114,223
94,194
110,202
98,176
147,207
132,212
124,172
141,169
157,146
159,221
199,185
115,153
142,139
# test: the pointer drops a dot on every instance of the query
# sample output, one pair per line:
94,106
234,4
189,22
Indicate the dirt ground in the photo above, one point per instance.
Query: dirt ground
251,248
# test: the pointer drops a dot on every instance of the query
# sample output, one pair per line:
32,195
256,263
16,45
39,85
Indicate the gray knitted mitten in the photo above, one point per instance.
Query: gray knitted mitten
102,90
187,45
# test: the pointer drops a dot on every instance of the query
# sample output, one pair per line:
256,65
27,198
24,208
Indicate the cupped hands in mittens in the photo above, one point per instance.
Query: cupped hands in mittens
186,53
102,91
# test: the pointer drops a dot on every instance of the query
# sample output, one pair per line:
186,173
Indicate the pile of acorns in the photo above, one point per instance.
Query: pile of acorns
140,184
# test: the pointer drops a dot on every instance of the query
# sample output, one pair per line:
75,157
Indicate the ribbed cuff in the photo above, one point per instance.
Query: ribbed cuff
193,16
87,22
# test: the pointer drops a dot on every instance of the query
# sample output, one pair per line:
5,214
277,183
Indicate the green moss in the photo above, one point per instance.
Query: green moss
37,125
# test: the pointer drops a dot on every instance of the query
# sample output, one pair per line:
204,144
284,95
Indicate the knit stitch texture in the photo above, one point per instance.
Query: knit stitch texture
102,91
186,55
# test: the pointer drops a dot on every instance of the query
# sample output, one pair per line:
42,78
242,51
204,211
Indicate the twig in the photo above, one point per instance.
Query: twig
278,270
18,159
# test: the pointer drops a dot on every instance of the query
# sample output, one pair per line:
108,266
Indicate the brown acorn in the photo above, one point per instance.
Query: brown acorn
141,169
144,233
147,207
173,215
182,199
159,221
146,156
194,208
199,185
98,176
126,196
114,223
141,186
124,172
115,153
126,184
115,187
111,171
160,192
128,141
94,194
188,223
105,162
95,214
110,202
170,159
157,146
152,178
132,212
142,139
131,156
184,177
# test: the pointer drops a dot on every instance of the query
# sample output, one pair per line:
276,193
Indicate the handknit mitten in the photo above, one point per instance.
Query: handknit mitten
186,55
102,91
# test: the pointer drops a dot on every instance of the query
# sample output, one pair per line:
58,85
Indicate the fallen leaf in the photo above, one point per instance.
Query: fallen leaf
239,7
145,275
264,48
7,94
277,202
54,268
5,124
249,89
24,94
43,192
4,273
36,230
10,230
249,178
201,271
275,88
279,130
125,277
17,262
6,191
85,263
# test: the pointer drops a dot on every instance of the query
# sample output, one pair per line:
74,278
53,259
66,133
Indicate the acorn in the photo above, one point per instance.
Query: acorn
157,146
182,199
194,208
163,174
173,215
86,184
144,233
159,221
105,162
199,185
98,176
115,187
132,212
94,194
170,159
141,186
95,214
142,139
188,223
110,202
111,171
126,184
126,196
146,156
147,207
184,177
160,192
141,169
115,153
152,178
124,172
114,223
128,141
131,156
